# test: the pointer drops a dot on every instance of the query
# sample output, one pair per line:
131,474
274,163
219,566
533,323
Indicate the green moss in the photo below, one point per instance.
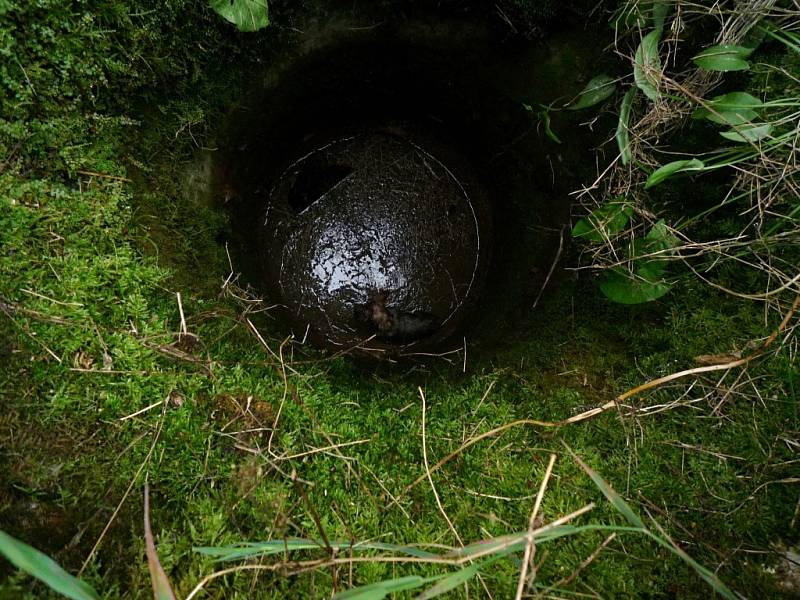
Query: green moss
91,285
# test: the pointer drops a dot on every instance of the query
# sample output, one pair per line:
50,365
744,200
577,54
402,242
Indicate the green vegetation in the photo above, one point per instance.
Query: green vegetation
128,353
247,15
32,561
765,132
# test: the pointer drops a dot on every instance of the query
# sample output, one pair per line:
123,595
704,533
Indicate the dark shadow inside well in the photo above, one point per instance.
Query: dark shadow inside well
394,194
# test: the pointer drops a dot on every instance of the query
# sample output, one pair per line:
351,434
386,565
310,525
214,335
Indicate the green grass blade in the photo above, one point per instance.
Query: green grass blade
45,569
704,573
381,589
499,545
450,582
507,544
788,38
623,135
612,496
162,590
409,550
248,550
634,519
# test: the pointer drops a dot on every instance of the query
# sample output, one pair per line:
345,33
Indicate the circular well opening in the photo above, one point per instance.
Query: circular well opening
392,192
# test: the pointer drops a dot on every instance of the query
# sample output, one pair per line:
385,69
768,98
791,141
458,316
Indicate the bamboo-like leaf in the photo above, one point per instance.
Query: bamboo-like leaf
751,133
598,89
723,58
623,135
671,169
647,65
247,15
512,541
162,590
45,569
246,550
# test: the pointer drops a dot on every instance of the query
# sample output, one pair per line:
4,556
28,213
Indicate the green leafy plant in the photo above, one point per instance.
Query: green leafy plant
643,280
623,132
543,113
247,15
647,65
748,133
596,91
670,169
624,287
724,58
761,131
734,108
646,74
604,222
738,111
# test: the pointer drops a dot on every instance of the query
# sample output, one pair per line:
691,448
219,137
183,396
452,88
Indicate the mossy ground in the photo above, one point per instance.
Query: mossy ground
89,271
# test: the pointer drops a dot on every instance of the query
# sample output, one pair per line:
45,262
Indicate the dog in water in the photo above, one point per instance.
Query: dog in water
392,324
